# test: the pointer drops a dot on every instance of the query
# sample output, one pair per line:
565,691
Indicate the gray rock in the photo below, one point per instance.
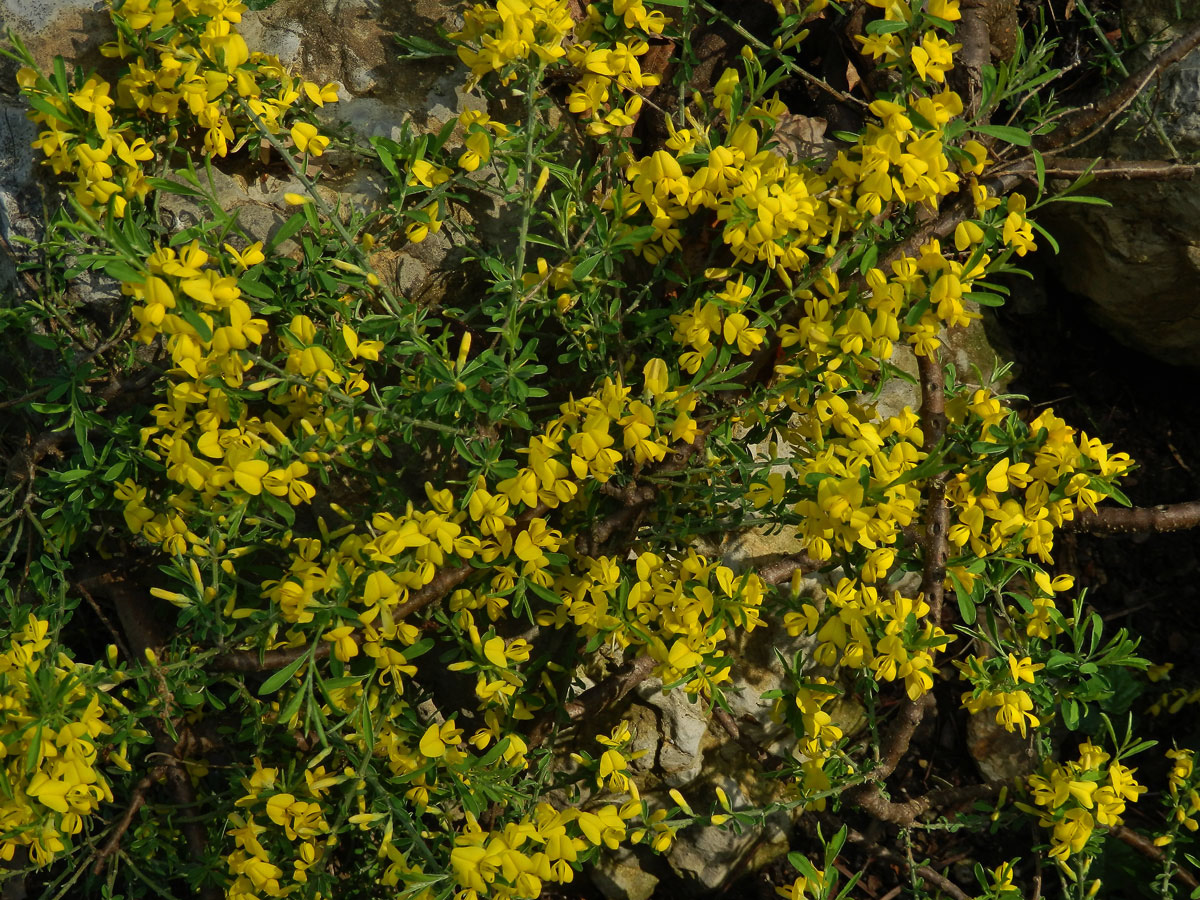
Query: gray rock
681,727
1139,261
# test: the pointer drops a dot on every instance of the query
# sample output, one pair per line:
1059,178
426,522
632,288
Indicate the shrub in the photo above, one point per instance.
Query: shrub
371,557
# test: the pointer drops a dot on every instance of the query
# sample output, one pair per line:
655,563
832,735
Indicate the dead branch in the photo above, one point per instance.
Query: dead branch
1110,169
905,812
144,633
254,661
1139,519
136,801
1147,849
782,570
1090,118
937,525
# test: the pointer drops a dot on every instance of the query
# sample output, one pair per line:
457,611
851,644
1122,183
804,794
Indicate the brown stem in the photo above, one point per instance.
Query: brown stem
23,465
1139,519
950,215
145,632
781,570
253,661
443,583
590,543
937,524
905,812
896,741
1114,169
136,802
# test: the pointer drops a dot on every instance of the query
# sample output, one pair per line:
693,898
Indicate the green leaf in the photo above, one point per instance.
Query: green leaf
886,26
293,705
119,270
174,187
113,472
966,605
60,74
868,259
280,678
1083,198
421,48
1112,491
385,156
1007,133
290,227
250,284
801,864
35,749
914,315
1047,235
584,269
1070,714
193,318
985,298
281,508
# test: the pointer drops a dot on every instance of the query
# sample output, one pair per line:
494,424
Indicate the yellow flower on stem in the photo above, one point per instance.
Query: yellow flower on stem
308,140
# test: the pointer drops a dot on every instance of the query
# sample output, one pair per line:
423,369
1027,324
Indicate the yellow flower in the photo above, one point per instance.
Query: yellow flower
307,139
248,475
321,95
1022,669
438,738
656,375
345,647
933,57
737,330
1072,833
251,256
1013,712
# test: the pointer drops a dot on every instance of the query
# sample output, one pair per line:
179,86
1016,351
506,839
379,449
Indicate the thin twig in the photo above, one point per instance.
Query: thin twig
1091,118
136,801
895,744
935,878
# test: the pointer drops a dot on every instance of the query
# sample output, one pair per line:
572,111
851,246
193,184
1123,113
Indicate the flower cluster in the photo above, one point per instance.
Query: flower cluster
185,66
1031,479
511,31
1182,787
1004,692
1077,796
50,720
301,821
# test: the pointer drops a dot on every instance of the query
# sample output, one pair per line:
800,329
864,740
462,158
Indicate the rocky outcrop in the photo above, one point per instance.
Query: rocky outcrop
1138,261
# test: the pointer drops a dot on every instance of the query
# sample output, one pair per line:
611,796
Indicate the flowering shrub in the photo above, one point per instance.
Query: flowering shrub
388,544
